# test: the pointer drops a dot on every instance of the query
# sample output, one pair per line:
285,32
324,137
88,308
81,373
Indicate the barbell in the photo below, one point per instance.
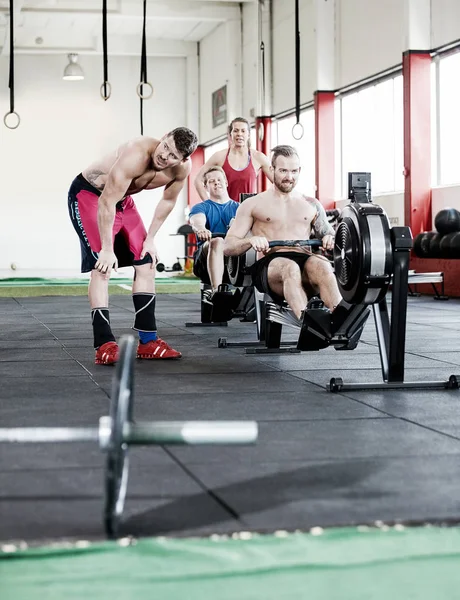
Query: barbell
118,431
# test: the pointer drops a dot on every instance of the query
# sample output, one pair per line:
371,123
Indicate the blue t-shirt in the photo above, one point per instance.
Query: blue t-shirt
218,216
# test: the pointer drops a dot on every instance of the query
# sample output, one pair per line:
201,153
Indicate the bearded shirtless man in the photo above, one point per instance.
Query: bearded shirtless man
113,235
283,213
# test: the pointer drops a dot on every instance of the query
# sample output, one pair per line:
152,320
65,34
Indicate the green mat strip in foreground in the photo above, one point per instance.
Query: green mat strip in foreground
62,290
338,564
35,286
38,281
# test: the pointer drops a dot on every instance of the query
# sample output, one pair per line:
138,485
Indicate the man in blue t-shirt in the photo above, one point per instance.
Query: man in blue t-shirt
208,217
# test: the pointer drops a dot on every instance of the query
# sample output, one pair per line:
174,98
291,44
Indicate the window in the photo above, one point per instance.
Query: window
435,180
338,148
449,119
282,134
209,150
372,135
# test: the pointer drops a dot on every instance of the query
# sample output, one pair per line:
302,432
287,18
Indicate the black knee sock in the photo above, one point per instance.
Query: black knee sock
101,326
144,305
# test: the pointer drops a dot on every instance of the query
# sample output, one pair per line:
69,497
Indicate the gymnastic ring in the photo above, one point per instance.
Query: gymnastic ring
108,85
295,128
139,90
5,120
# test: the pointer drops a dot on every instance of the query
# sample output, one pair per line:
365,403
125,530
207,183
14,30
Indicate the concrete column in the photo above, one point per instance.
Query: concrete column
263,123
193,91
417,139
417,115
324,64
263,144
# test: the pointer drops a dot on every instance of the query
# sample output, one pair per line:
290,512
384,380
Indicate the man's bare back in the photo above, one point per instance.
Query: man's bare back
149,177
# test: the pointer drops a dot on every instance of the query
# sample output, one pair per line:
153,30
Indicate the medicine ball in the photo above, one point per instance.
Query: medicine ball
446,244
435,246
422,244
447,221
454,245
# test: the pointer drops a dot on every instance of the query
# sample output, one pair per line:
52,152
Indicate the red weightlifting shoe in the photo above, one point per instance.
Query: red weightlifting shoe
156,349
107,354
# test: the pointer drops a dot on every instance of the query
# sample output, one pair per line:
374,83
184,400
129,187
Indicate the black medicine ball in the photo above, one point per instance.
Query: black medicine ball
447,221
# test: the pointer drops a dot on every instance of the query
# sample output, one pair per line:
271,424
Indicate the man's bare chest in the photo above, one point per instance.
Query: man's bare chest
301,214
150,180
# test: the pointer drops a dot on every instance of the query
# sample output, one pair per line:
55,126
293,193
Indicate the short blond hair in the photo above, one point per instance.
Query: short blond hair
210,170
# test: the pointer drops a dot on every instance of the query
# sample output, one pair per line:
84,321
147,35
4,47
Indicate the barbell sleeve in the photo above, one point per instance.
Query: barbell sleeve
191,432
39,435
167,432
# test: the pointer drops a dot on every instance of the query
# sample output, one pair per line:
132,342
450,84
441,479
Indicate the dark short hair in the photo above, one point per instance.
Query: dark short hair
211,170
286,151
184,140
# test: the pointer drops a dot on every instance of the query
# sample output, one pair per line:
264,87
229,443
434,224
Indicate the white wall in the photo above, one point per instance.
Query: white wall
64,126
393,205
250,60
441,197
445,22
220,64
444,197
370,38
284,54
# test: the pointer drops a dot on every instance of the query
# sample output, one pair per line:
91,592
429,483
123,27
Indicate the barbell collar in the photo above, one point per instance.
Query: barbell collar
191,432
40,435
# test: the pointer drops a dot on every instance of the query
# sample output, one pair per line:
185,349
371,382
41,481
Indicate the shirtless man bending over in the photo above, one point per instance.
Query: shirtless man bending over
283,213
112,233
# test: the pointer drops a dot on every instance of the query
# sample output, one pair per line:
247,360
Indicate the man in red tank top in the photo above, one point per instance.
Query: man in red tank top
240,163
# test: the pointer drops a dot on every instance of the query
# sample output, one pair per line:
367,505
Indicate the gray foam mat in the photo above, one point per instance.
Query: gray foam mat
321,459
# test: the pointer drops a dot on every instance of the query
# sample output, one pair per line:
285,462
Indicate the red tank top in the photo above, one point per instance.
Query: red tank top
240,182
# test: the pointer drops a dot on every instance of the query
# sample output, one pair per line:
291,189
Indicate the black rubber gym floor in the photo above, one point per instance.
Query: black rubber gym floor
322,459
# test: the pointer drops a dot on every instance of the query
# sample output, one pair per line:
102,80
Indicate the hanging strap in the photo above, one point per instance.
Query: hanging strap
297,129
143,78
262,60
11,123
106,88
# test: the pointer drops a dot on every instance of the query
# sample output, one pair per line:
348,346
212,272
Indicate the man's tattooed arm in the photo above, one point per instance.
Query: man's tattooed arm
92,176
320,223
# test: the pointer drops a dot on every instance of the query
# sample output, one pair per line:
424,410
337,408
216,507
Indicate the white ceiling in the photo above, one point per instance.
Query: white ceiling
61,26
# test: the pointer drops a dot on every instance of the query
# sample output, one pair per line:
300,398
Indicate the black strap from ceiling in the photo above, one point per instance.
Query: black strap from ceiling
297,61
11,78
262,61
105,95
143,66
11,123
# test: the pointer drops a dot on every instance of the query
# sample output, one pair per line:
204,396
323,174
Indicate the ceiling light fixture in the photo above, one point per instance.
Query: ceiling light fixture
73,71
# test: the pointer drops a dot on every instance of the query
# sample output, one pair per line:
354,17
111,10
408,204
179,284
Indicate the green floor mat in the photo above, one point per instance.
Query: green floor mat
339,564
20,288
40,281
